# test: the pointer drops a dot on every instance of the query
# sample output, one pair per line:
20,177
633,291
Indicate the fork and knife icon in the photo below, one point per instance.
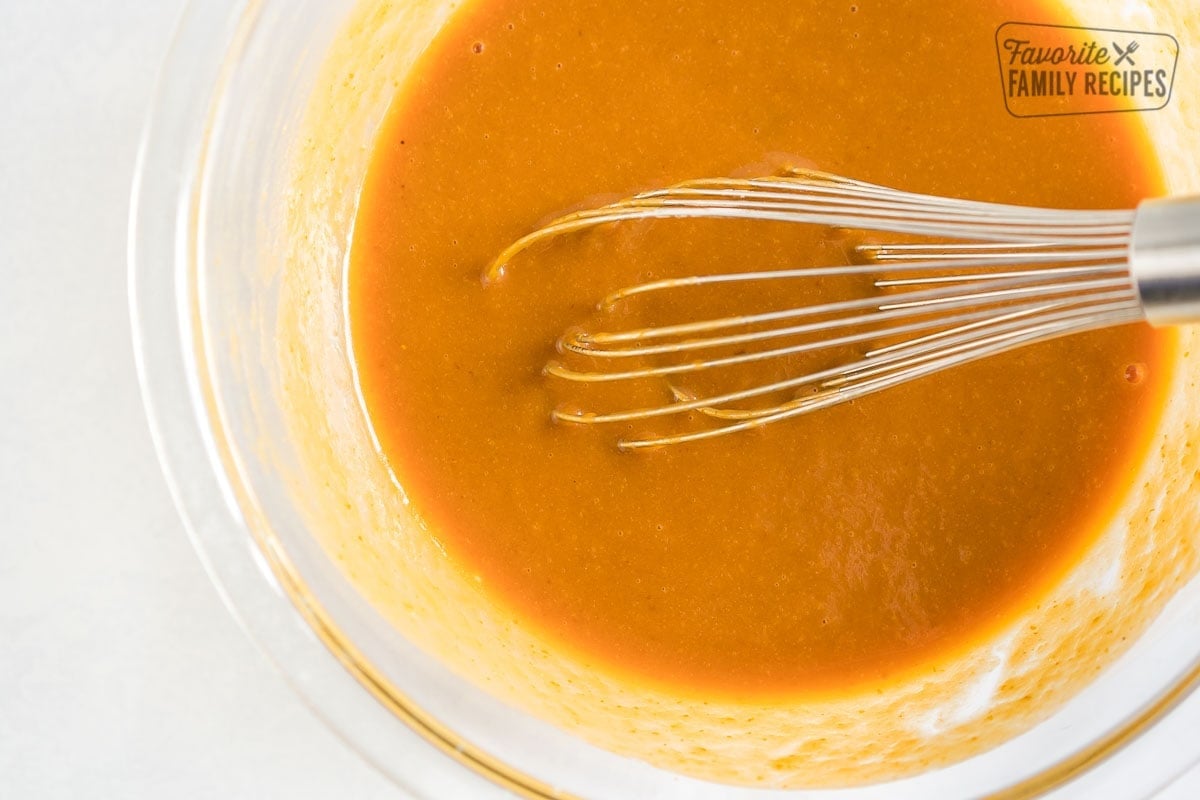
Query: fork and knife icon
1126,54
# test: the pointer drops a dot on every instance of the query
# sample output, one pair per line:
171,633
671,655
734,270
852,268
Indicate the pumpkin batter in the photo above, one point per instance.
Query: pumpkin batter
824,553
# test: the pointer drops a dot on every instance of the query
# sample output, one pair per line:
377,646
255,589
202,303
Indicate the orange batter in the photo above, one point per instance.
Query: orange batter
818,554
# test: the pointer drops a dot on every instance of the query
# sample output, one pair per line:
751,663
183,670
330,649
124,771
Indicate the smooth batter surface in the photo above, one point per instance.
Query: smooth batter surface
818,554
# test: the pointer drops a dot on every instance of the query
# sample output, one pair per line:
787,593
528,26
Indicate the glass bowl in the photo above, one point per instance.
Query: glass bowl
208,243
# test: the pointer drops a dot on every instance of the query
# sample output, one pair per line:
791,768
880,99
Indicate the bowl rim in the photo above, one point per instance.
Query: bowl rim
258,583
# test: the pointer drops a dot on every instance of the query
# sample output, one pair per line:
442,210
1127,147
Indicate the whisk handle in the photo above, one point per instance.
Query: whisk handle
1164,259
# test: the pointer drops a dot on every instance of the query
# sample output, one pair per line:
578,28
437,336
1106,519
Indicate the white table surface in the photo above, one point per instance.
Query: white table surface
121,675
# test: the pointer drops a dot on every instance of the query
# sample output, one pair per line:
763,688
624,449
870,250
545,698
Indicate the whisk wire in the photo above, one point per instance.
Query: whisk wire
845,394
986,278
819,199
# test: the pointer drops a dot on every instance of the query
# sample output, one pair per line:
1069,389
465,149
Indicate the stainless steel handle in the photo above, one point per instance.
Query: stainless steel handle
1164,259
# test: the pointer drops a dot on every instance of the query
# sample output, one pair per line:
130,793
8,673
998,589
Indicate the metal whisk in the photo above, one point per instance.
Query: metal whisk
968,281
